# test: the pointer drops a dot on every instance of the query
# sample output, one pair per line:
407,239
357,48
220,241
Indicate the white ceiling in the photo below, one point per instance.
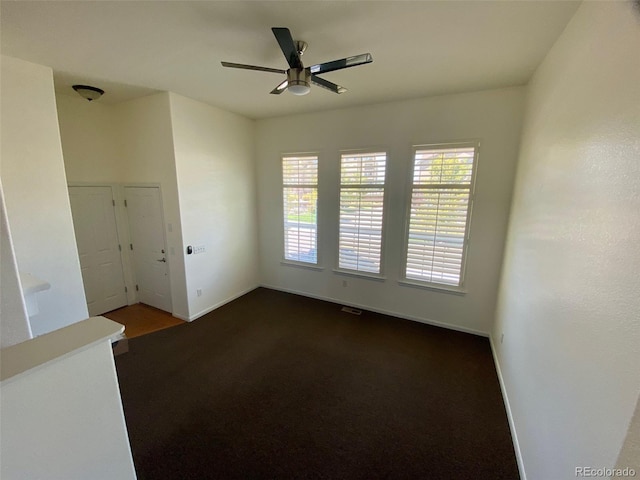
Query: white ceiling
419,48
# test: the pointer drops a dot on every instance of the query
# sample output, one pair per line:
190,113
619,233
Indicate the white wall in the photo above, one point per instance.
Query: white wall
569,304
35,190
14,322
179,143
493,117
629,456
128,143
90,139
93,154
216,184
145,133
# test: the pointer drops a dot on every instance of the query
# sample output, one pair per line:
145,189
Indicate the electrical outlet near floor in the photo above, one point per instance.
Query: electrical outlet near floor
199,292
345,283
501,337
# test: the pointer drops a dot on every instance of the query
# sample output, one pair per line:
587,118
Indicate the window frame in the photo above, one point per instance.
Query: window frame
379,276
286,261
461,289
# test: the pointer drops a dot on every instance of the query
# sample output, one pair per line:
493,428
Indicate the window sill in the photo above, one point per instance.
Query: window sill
353,273
433,286
308,266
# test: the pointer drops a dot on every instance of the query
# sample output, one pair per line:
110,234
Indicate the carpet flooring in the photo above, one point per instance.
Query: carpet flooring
274,385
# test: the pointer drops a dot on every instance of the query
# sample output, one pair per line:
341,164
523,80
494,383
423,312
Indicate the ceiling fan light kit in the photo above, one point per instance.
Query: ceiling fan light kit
298,81
299,78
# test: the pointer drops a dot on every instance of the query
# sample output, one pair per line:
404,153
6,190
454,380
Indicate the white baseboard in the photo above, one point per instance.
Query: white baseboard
217,305
507,405
378,310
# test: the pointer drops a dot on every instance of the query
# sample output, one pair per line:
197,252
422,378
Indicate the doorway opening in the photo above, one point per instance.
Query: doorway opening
140,319
122,250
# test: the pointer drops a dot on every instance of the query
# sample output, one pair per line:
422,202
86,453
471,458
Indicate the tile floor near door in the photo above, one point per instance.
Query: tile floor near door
140,319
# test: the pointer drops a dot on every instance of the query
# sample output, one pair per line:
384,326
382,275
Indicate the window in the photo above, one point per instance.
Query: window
300,202
361,210
439,219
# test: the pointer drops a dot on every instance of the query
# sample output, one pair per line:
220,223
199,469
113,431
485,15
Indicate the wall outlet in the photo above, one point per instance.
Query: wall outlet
501,337
345,283
198,249
199,292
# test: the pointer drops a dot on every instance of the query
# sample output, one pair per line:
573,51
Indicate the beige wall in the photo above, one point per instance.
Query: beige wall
569,304
493,117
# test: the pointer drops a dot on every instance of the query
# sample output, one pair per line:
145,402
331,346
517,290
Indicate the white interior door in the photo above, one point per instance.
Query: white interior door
94,223
146,227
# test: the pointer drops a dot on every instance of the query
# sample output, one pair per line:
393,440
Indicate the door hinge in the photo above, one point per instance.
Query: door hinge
125,202
126,289
119,247
131,246
136,287
113,202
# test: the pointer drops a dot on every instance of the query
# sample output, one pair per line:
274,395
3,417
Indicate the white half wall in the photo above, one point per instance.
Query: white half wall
216,184
569,304
63,419
35,189
493,117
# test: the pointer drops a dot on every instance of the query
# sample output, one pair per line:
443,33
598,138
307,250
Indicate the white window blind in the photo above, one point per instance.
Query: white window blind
362,179
439,218
300,202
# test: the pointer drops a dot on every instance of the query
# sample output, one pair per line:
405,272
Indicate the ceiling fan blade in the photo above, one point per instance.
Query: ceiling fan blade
252,67
280,88
342,63
288,46
321,82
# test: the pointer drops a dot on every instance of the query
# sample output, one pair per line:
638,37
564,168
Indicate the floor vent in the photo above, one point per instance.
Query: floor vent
352,311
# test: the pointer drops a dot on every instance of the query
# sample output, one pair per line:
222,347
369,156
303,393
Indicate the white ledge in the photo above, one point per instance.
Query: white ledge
355,273
309,266
433,286
32,284
23,357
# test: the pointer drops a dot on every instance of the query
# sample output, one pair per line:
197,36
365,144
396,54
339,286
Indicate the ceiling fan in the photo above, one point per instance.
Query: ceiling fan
299,77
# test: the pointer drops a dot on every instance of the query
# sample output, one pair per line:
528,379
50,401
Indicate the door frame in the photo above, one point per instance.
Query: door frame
164,231
122,232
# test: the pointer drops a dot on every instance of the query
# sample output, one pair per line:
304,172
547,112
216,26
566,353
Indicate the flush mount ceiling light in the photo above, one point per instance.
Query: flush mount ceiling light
88,92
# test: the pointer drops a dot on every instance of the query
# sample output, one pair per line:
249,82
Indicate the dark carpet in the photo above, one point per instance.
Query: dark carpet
274,385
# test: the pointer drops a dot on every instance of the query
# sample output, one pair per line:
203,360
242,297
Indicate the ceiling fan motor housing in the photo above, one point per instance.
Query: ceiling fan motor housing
299,80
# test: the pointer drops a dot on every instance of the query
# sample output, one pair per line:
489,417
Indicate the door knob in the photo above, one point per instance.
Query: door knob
163,260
